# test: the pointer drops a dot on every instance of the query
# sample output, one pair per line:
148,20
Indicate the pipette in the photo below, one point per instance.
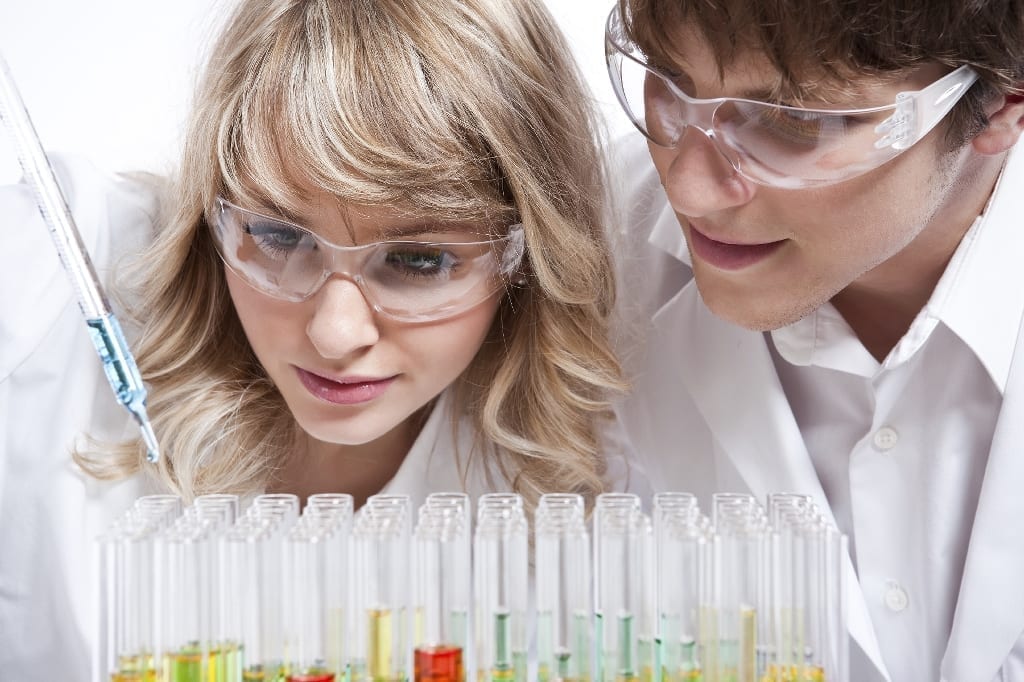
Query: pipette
104,328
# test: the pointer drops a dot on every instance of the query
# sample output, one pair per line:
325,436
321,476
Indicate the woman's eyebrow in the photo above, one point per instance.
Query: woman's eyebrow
404,231
275,212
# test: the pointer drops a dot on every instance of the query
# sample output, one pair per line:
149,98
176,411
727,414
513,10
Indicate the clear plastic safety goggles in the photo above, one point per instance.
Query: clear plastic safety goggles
772,144
406,280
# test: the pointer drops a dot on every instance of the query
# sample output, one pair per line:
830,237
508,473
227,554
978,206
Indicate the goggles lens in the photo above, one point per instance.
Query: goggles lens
772,144
404,280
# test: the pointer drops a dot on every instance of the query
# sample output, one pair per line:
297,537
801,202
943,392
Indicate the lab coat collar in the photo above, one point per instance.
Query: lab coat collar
730,375
989,276
989,615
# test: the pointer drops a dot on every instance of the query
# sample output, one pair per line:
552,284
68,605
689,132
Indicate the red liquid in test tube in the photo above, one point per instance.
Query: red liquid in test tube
439,664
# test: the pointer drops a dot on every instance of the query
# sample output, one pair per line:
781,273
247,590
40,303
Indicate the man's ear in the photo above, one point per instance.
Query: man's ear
1005,126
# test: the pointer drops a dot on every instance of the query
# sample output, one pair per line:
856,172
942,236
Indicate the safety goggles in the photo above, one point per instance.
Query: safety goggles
772,144
410,281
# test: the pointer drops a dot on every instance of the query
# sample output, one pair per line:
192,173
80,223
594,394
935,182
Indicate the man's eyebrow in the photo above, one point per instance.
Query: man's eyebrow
763,94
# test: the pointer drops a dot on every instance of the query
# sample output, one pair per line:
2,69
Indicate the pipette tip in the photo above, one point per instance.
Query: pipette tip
152,448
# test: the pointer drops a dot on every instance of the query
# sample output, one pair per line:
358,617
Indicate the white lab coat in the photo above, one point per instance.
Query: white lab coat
708,413
52,388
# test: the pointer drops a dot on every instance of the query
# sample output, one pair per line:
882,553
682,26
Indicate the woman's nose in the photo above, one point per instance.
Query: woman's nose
343,320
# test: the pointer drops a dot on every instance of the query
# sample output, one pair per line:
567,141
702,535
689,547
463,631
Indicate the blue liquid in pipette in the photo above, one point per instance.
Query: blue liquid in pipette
123,375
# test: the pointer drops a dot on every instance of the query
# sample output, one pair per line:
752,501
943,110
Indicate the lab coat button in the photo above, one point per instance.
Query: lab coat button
896,598
885,438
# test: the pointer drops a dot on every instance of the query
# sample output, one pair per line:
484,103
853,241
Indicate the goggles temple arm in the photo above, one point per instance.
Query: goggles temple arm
917,112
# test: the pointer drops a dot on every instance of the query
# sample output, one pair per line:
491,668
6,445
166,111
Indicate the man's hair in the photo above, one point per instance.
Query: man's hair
832,41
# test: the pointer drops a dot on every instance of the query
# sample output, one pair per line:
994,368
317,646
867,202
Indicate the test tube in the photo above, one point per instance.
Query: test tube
283,506
315,585
826,640
381,537
184,583
739,566
222,508
441,594
163,510
564,625
618,590
835,652
340,505
681,534
126,642
501,584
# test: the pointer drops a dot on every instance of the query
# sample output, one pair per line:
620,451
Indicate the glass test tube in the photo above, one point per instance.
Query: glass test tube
219,512
283,506
618,576
681,536
381,537
501,584
825,640
126,598
564,624
184,584
253,562
441,594
740,567
789,565
314,581
163,510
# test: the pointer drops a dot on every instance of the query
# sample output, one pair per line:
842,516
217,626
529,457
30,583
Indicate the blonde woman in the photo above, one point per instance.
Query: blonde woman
380,267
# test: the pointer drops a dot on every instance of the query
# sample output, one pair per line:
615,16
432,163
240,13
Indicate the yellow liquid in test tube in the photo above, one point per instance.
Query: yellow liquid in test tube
382,642
225,663
748,645
184,666
776,673
134,669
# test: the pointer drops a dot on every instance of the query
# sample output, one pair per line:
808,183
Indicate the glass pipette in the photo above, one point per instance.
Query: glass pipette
104,328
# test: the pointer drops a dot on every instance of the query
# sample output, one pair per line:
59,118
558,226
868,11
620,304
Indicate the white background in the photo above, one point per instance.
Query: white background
111,79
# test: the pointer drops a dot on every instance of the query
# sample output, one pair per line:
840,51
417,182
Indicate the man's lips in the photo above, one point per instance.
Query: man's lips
726,255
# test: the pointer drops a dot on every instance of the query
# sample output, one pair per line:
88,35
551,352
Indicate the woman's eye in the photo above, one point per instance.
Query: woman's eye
420,261
277,238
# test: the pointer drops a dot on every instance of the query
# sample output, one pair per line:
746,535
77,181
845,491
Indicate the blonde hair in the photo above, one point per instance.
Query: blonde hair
461,109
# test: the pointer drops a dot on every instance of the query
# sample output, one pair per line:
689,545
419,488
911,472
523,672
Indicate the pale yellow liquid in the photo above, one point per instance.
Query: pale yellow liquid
381,646
134,669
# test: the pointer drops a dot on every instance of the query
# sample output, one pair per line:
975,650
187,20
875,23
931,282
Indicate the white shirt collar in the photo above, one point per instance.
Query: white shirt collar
980,298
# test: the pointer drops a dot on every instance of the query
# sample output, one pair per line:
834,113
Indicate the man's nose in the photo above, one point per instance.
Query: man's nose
698,178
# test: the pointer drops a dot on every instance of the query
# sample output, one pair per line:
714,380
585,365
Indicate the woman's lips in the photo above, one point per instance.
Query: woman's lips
347,391
727,256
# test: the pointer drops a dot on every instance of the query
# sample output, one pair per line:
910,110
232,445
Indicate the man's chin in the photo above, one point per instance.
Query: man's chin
763,317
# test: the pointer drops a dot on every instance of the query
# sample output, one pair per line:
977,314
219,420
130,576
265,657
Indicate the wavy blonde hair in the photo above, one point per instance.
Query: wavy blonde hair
460,109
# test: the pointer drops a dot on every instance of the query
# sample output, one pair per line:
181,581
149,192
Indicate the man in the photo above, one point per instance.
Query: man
822,293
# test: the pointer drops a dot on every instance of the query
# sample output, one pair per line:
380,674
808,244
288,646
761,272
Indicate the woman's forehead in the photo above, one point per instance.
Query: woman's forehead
340,221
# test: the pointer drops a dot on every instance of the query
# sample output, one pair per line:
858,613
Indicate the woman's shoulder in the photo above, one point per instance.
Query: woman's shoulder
114,215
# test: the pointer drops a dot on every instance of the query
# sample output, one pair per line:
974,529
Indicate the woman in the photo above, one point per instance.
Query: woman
379,268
